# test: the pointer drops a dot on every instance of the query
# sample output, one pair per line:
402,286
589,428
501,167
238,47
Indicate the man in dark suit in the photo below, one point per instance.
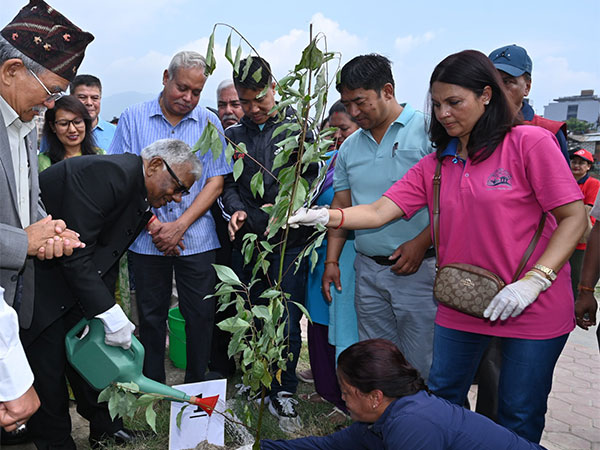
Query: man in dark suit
108,200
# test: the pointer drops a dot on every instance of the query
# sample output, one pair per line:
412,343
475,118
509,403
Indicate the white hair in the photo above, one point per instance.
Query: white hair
185,60
174,152
223,85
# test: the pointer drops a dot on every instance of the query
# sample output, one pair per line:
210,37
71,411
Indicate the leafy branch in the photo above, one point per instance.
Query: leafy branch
258,330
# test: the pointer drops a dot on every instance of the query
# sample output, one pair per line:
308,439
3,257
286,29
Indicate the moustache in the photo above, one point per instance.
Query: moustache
39,110
227,117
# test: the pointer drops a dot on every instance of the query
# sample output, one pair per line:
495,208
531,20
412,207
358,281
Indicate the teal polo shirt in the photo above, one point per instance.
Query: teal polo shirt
369,169
104,133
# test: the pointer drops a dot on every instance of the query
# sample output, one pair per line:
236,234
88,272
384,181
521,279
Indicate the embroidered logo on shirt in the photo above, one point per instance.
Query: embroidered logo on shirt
500,179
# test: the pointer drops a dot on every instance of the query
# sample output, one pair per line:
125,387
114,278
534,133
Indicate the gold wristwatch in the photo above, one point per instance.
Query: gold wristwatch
548,272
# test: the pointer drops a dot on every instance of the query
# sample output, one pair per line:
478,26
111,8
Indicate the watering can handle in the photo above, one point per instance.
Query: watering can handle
77,328
136,346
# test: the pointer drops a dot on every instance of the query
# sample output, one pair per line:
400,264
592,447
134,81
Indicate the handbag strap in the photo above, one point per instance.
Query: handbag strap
530,248
437,182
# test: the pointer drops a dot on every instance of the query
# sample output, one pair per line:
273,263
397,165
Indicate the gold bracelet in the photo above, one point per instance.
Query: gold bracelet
332,262
549,273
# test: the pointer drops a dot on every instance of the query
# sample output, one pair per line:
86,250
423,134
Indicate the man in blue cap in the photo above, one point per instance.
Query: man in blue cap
515,65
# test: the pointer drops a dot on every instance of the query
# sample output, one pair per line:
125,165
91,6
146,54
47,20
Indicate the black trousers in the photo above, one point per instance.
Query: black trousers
195,278
488,380
219,361
50,426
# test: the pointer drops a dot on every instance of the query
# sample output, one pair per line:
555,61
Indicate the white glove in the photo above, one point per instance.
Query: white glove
515,297
117,327
309,217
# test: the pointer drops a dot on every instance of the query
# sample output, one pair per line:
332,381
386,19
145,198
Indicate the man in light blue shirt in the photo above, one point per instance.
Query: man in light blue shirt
181,238
88,89
394,290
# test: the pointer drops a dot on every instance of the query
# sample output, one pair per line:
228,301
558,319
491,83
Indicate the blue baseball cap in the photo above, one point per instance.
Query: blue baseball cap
512,59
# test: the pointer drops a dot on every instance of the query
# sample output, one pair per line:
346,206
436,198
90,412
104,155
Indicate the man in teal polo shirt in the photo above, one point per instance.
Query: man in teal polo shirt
394,291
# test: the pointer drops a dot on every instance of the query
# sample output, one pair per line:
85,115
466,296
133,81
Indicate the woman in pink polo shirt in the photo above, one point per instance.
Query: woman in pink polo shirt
497,180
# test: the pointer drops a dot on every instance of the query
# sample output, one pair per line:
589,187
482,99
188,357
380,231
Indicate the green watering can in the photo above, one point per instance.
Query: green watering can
102,365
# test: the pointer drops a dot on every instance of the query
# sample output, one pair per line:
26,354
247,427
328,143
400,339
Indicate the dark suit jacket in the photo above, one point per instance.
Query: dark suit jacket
104,199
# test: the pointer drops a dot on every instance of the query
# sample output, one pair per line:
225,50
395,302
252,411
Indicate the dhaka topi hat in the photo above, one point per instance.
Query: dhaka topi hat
49,38
512,59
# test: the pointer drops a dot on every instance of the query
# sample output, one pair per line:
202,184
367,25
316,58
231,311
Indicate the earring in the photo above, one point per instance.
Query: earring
487,102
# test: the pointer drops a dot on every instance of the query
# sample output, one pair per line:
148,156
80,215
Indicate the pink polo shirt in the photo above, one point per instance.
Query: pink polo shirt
488,214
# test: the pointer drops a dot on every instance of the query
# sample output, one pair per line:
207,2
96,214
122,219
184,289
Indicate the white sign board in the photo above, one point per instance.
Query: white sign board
196,424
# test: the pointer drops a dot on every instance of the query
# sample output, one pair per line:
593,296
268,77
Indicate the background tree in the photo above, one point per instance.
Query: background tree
577,126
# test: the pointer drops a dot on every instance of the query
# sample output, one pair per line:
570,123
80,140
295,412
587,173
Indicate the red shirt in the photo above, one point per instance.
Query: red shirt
589,188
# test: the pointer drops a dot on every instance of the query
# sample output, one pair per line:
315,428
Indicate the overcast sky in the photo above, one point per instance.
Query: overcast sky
135,39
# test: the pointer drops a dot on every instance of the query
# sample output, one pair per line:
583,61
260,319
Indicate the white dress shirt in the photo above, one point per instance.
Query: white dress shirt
17,130
15,374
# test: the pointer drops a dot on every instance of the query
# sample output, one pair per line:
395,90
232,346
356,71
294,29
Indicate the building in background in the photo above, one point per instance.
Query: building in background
584,107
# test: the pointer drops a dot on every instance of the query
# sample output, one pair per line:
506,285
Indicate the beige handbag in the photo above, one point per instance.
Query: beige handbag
465,287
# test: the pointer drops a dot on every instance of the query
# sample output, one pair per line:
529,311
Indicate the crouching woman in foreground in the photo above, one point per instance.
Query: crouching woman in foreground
393,409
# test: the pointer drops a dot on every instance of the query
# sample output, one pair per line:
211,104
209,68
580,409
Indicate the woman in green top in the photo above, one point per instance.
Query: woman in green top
68,132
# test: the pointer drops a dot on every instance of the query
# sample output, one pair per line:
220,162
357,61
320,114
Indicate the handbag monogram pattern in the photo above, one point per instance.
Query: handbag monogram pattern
465,287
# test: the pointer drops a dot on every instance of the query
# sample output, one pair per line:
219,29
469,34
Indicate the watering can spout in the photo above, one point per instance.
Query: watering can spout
206,403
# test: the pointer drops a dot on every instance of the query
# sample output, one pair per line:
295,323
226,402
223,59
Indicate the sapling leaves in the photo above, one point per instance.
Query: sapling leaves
257,185
228,49
211,64
258,327
238,167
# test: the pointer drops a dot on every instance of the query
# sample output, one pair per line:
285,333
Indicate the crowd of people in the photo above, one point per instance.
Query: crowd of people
132,201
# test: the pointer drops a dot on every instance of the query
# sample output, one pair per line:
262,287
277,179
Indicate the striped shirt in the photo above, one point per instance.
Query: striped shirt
142,124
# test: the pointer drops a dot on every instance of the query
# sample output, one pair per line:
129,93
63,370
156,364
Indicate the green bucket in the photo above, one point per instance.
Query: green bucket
177,338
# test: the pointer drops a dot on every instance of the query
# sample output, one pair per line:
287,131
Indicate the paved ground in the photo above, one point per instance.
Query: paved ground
573,418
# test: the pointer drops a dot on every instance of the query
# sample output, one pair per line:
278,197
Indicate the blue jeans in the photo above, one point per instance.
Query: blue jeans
293,284
525,375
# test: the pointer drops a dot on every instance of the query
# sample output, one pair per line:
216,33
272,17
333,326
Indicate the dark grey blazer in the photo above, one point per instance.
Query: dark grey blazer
13,239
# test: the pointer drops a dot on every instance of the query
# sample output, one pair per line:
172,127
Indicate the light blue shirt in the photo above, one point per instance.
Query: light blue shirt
369,169
103,134
142,124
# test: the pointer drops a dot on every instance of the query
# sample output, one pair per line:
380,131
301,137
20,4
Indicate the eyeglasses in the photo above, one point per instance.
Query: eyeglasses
181,189
52,97
77,123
